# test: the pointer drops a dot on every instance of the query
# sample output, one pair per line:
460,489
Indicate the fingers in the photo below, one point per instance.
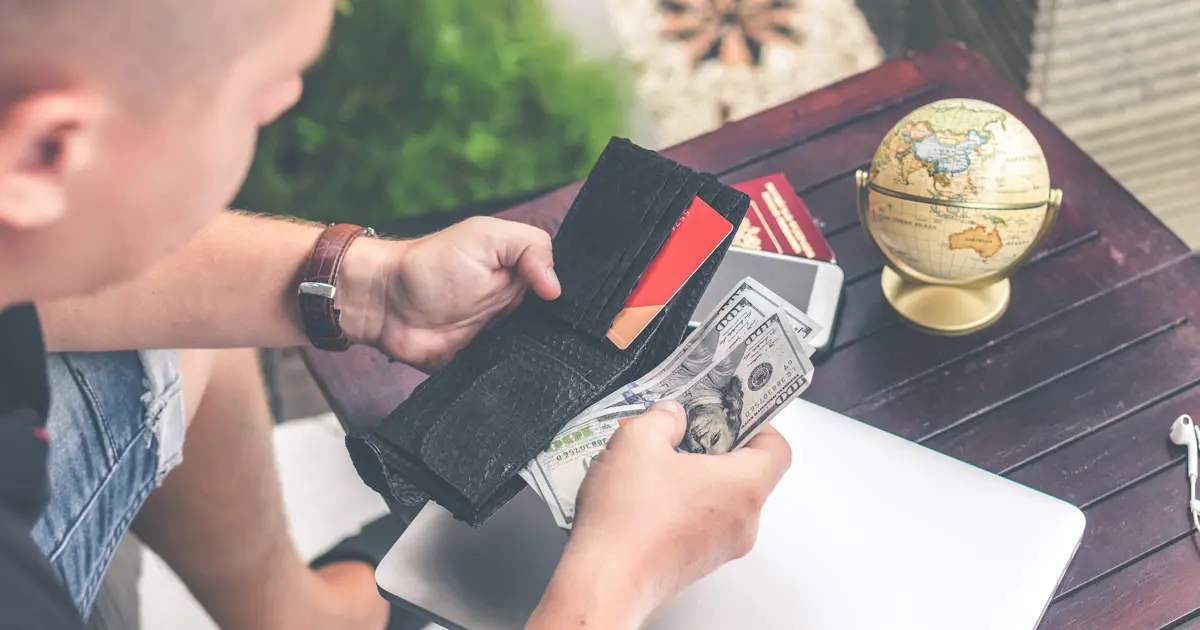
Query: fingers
669,421
528,250
771,453
662,424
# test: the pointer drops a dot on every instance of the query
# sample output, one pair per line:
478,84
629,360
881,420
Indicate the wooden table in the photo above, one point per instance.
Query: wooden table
1072,392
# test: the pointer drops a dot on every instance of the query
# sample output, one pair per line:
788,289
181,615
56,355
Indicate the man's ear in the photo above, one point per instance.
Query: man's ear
44,139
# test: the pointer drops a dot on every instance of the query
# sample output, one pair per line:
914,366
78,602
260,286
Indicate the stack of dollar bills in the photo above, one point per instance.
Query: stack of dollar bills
745,363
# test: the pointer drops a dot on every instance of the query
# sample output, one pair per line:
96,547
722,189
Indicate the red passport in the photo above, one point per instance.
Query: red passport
779,222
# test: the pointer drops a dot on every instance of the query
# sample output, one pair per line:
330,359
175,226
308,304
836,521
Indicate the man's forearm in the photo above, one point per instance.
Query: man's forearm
590,589
234,285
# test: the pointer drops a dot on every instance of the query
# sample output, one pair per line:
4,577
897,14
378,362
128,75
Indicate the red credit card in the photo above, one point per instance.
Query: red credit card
695,236
778,221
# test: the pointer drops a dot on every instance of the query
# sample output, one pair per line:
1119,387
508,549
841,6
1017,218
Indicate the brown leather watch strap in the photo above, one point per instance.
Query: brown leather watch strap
318,286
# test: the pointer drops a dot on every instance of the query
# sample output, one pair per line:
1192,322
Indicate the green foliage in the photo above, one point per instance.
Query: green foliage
425,104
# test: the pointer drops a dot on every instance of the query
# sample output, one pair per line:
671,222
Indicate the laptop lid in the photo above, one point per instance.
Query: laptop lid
866,531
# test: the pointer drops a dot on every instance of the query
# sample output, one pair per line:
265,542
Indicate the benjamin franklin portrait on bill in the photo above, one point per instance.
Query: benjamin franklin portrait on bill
714,408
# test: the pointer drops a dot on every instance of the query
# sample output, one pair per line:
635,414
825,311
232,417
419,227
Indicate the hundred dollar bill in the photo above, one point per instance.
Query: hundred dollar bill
558,471
707,373
765,301
537,484
735,397
527,474
803,325
746,306
726,405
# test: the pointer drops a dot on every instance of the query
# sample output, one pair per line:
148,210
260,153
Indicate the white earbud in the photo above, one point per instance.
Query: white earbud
1184,432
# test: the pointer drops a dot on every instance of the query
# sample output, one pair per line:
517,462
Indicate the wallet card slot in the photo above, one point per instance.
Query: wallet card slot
614,261
612,295
644,241
621,218
604,232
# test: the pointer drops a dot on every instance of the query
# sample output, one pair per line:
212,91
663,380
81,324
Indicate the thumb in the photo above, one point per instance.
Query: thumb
663,423
768,455
529,251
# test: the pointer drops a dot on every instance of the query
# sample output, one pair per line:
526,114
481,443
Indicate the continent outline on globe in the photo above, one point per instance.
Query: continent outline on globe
978,239
958,192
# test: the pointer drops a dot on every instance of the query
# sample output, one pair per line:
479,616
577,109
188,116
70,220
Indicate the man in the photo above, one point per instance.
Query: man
124,127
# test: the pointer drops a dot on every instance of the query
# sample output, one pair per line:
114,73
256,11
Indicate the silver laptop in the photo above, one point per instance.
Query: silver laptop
866,531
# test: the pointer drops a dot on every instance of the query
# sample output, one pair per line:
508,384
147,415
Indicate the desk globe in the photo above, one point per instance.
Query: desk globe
957,197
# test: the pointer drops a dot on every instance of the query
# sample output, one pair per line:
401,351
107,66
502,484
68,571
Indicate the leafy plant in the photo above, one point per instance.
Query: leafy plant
424,104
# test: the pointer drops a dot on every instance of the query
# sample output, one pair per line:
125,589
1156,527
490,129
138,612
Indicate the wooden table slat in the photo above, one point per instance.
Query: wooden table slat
1092,465
864,314
826,202
858,373
1153,592
1004,369
1145,516
858,256
1038,422
1190,621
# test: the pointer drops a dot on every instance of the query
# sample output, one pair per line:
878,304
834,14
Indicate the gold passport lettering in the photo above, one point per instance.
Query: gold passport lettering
787,223
766,225
747,236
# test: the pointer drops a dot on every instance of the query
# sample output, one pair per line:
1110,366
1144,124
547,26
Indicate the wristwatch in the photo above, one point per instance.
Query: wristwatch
318,286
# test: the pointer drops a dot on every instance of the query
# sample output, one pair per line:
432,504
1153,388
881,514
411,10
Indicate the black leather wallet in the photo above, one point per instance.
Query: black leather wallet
465,432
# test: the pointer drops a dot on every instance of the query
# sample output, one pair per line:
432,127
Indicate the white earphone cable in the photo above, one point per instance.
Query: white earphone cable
1193,505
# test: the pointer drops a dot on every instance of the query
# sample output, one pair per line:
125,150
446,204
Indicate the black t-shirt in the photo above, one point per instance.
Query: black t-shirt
31,595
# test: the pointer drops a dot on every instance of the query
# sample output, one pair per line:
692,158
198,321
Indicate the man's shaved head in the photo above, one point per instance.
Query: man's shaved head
127,125
135,47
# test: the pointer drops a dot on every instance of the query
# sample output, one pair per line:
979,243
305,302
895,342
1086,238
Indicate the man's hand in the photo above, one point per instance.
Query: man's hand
651,521
438,291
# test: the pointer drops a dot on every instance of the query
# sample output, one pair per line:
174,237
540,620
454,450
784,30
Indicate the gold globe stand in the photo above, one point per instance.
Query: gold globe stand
944,310
943,307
